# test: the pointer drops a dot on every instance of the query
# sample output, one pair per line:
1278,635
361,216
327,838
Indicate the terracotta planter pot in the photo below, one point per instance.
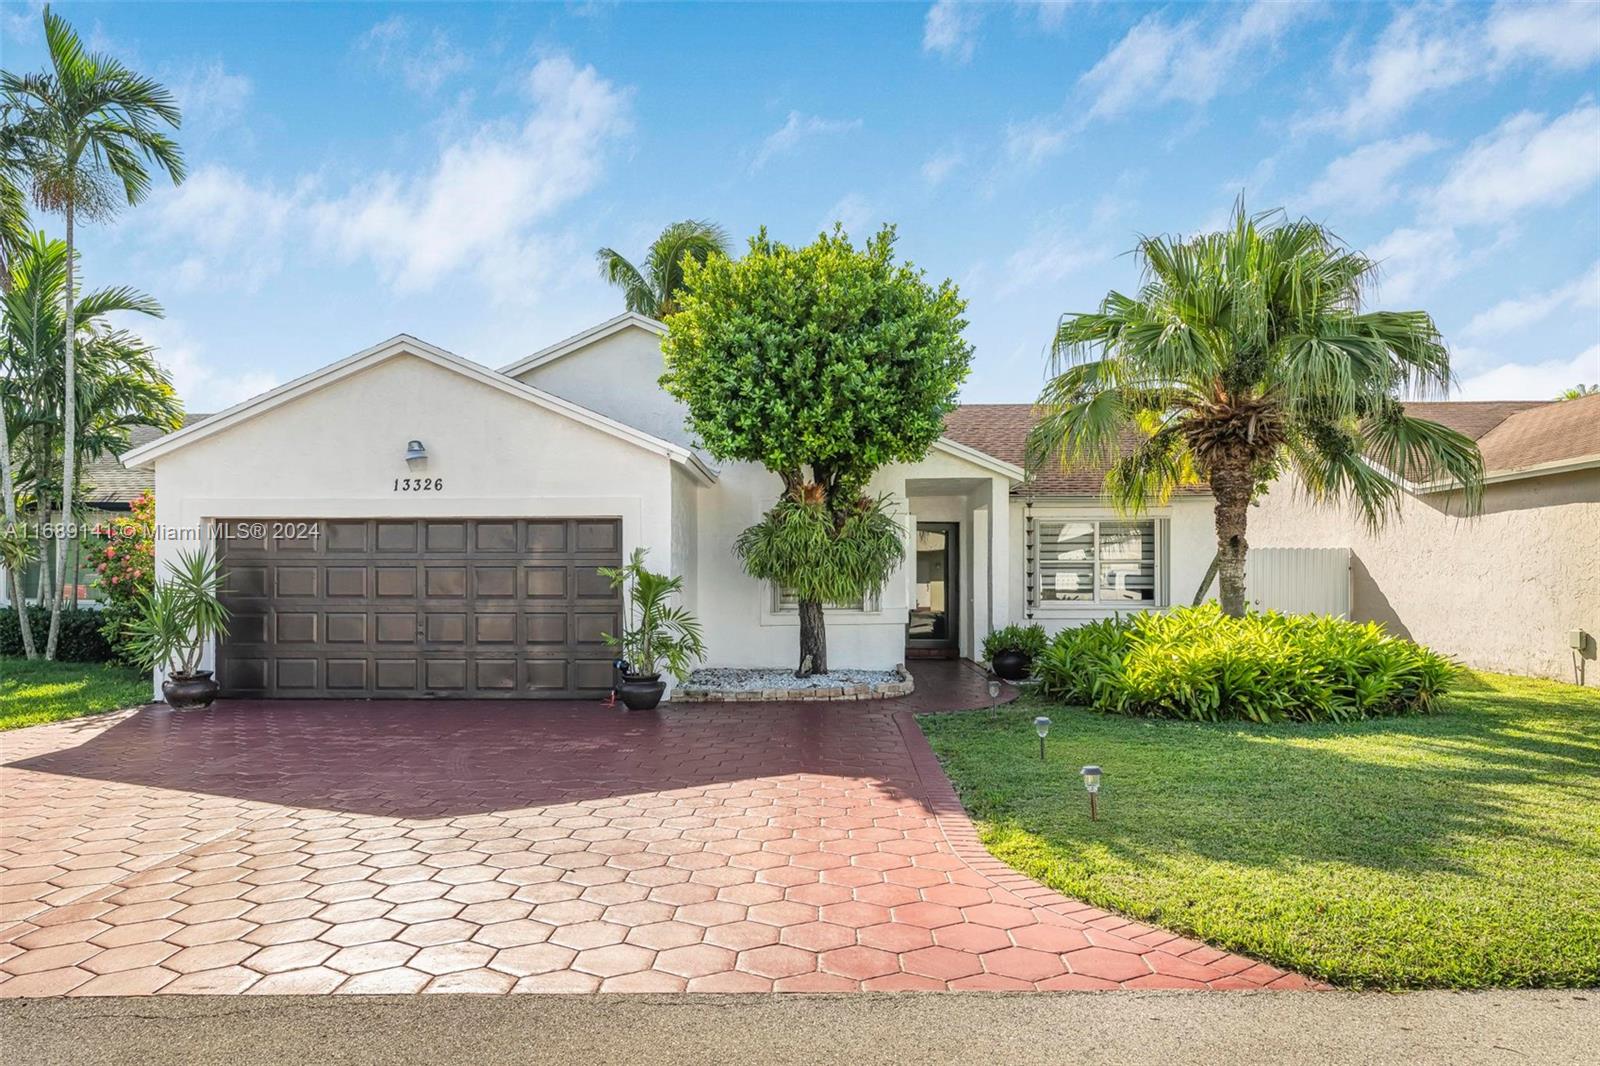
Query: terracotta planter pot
641,692
191,692
1012,665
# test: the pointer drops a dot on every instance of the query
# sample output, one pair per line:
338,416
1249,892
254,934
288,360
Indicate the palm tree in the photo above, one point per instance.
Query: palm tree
1578,392
87,128
15,545
653,291
118,382
1243,354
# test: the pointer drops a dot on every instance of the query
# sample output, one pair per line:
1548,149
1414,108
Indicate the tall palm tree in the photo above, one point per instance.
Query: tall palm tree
1245,353
17,546
88,129
653,290
119,384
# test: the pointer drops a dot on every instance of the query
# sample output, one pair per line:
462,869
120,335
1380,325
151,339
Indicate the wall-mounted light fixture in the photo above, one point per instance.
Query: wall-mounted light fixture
416,454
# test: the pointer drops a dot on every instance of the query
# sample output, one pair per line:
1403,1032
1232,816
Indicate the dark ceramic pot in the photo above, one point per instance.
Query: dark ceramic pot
641,692
1012,665
189,693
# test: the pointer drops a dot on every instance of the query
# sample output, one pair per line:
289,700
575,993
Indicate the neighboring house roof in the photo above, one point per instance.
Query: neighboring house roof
1001,430
1553,434
1472,417
626,320
107,481
405,344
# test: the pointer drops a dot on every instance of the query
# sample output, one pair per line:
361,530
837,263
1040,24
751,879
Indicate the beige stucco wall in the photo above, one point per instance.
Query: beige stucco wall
1500,591
335,453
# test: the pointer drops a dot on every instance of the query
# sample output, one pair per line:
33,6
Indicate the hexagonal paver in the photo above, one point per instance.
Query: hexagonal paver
613,960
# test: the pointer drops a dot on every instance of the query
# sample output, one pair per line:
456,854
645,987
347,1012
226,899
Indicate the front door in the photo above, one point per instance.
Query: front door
934,629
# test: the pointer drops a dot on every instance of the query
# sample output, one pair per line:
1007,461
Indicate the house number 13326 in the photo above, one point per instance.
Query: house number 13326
419,484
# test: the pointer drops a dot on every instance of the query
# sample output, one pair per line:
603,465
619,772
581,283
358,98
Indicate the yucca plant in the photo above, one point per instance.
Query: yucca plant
180,616
658,634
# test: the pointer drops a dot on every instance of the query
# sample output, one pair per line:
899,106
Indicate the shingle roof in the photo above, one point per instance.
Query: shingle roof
1001,430
1512,434
106,480
1549,433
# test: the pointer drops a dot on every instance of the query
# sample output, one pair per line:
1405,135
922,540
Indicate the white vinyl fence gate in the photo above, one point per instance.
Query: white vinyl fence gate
1299,580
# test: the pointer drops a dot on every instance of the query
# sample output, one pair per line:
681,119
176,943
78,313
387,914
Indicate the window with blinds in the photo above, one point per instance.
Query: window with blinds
784,599
1092,561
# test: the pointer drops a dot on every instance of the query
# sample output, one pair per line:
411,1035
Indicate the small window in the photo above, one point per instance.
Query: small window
784,600
1091,561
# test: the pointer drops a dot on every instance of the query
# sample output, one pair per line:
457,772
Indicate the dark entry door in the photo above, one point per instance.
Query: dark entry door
935,622
400,608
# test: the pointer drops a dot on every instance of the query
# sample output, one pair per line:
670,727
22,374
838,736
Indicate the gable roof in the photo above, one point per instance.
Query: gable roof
405,344
1471,417
626,320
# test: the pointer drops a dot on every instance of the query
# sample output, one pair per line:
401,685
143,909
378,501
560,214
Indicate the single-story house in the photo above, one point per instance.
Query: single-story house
408,523
1515,588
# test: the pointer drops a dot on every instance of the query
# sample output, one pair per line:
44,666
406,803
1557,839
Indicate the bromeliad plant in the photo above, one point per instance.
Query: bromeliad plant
658,635
180,616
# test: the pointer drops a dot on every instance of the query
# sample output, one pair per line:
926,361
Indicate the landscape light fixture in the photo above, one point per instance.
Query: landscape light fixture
1041,725
1091,782
994,690
415,453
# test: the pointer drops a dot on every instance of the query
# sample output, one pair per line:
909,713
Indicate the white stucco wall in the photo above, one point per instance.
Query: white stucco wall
617,377
1500,591
1189,541
335,453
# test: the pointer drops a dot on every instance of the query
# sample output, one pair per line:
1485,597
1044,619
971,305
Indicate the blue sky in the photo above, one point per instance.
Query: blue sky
448,170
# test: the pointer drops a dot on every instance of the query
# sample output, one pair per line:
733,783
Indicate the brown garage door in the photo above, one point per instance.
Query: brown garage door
401,608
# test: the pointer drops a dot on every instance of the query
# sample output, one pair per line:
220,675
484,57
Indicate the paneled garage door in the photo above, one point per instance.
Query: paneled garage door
399,608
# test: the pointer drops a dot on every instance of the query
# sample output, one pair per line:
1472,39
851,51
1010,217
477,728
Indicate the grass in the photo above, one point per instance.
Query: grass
1456,850
36,692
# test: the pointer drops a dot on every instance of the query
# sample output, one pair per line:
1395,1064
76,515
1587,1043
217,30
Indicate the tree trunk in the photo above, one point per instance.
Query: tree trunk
813,640
69,418
8,489
1205,582
1231,486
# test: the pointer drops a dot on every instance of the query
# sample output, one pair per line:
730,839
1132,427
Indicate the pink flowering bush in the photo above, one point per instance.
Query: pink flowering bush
125,571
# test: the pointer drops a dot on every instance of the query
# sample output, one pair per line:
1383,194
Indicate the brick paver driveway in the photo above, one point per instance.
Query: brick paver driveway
396,847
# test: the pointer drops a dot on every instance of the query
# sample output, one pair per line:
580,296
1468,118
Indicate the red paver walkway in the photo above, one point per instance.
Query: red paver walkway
396,847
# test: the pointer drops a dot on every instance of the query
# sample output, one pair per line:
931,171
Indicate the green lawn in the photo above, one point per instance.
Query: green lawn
36,692
1460,850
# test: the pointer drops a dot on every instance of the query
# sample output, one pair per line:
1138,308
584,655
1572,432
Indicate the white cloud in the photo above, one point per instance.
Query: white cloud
1192,60
210,96
1051,257
231,231
203,386
950,29
1415,259
22,21
796,129
1562,34
1533,381
1425,51
1527,162
856,214
423,59
1032,142
1507,316
486,192
1365,178
939,166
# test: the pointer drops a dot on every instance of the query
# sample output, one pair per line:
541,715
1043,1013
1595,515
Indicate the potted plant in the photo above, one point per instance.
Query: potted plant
176,620
1012,649
656,636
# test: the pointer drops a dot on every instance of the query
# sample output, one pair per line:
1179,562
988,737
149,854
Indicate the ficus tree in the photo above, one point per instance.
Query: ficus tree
823,363
1244,354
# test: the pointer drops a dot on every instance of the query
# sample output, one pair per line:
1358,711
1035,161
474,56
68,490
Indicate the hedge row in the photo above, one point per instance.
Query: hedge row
79,641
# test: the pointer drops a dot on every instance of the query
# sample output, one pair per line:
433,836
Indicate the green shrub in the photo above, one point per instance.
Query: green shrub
1196,663
80,639
1029,640
125,570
